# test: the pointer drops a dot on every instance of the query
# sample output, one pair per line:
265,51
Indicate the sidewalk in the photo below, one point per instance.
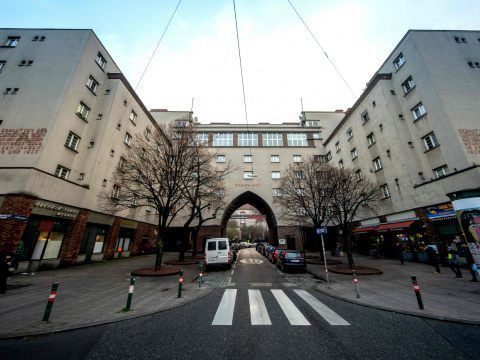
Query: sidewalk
94,294
444,296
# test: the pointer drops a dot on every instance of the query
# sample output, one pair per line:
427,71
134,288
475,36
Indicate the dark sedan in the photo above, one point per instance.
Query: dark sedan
291,259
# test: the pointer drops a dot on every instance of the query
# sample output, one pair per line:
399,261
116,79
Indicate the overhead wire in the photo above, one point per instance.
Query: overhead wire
323,50
158,44
249,140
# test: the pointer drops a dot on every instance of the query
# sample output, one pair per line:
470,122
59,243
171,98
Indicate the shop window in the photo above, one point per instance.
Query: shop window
49,241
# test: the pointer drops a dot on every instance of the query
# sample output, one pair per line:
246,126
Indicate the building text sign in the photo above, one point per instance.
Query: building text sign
21,141
52,209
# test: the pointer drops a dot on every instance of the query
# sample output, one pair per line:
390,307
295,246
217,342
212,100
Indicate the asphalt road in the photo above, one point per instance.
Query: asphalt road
292,328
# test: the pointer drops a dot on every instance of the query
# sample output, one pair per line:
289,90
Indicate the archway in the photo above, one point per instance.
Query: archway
261,205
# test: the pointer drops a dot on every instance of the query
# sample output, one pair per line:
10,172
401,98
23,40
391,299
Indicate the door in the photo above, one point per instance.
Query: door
211,252
88,242
291,243
222,252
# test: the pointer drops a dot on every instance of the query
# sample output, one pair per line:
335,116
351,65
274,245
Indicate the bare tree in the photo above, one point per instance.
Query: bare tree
151,175
351,196
305,193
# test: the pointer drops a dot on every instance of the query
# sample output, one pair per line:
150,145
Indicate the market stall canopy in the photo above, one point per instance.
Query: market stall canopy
395,226
364,229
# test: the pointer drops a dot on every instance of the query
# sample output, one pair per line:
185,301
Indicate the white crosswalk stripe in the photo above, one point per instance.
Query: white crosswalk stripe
258,311
289,309
332,317
259,314
224,315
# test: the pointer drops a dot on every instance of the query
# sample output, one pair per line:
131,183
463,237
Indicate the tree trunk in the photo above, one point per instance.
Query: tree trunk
348,250
159,251
195,232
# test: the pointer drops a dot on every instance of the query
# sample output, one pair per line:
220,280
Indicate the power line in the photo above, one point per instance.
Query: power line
323,50
243,82
158,44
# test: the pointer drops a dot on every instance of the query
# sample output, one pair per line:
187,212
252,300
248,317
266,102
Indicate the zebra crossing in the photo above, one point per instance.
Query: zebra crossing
259,313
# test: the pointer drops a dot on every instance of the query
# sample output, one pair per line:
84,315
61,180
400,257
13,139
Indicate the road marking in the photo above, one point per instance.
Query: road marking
251,261
279,272
258,311
289,309
261,284
224,314
332,317
231,284
289,284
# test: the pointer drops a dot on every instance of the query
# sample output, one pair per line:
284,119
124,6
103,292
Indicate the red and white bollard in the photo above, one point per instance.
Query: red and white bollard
416,288
51,300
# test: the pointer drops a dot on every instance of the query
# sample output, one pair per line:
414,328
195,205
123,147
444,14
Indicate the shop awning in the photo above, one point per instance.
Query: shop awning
395,226
364,229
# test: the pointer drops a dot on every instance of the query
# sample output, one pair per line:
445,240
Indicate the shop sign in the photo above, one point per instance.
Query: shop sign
13,217
52,209
440,211
131,224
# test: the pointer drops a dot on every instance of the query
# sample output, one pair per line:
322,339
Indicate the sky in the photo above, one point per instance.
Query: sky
282,64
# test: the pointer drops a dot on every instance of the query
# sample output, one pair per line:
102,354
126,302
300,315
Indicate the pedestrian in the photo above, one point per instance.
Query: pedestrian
454,260
433,257
3,274
399,250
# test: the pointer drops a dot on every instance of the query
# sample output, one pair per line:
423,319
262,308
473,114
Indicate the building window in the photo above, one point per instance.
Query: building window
248,175
377,164
100,60
371,139
349,134
300,191
128,139
340,164
247,139
316,135
83,111
354,153
441,171
276,192
385,191
202,138
115,191
81,176
418,111
272,139
430,141
399,61
365,117
274,158
312,123
299,174
72,141
92,84
12,41
297,139
2,65
112,153
121,163
276,175
460,40
147,133
408,85
247,158
220,158
359,175
297,158
133,117
223,139
337,146
62,172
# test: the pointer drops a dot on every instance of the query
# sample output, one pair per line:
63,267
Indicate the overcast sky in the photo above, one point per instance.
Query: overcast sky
198,56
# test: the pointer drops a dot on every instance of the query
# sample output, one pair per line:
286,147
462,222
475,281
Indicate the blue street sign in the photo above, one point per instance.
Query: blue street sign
321,230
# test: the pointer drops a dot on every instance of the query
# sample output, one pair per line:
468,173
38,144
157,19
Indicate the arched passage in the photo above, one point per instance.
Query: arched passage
261,205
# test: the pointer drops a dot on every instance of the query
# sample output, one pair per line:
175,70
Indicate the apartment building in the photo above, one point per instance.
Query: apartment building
257,155
67,114
415,131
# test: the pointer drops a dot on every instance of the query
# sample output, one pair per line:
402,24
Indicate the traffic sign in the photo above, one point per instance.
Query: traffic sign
321,230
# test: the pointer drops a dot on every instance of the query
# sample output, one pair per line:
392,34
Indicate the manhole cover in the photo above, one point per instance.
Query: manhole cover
251,261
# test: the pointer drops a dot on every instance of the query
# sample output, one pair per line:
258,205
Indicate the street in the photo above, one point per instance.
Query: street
259,314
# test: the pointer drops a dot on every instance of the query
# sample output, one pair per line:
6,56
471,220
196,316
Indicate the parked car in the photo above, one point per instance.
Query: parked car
291,259
218,252
274,255
261,246
268,250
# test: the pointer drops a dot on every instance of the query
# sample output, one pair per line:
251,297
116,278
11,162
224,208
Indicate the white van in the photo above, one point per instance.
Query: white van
217,252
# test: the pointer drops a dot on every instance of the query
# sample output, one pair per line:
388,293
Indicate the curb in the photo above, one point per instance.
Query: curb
402,312
43,333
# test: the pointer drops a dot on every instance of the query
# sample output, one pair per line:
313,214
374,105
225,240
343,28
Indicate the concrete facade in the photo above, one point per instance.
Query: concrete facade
55,157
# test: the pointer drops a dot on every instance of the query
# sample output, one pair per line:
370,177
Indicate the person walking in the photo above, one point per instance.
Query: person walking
454,261
4,272
470,262
433,257
399,250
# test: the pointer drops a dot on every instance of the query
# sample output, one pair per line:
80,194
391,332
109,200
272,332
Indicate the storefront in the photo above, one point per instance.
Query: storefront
94,238
44,235
125,238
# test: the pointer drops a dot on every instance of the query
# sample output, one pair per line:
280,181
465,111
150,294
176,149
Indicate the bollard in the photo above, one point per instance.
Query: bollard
51,300
416,288
200,279
180,282
355,283
130,294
